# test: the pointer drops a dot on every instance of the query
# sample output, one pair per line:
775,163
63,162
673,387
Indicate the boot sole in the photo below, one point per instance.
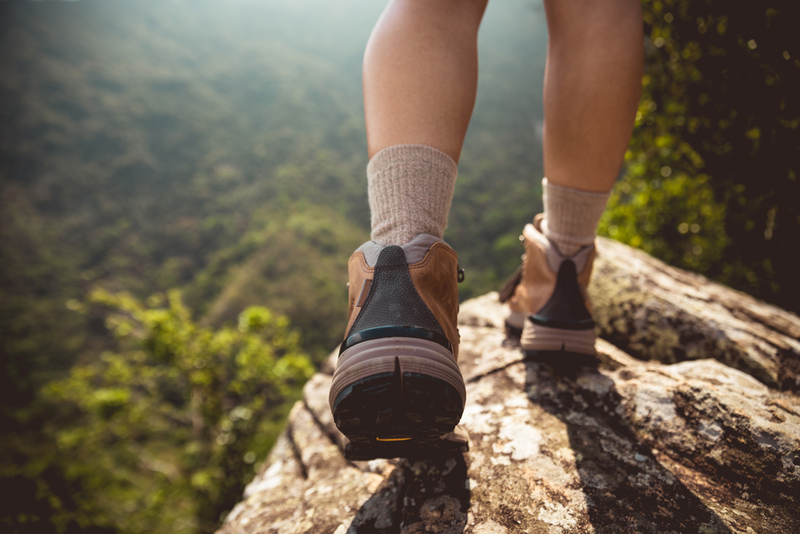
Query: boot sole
397,395
539,338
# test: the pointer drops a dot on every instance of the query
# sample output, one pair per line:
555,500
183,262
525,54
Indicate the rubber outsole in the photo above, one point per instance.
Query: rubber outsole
555,350
397,413
538,338
378,356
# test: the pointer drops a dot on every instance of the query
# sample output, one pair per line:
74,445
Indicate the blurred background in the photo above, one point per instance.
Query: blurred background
182,182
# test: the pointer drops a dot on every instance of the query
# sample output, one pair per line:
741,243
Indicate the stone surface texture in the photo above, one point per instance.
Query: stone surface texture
690,423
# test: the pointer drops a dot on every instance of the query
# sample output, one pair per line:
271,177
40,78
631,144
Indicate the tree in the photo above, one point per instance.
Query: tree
168,428
711,183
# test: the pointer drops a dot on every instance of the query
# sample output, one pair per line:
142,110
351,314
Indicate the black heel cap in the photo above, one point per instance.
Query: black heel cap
394,304
566,308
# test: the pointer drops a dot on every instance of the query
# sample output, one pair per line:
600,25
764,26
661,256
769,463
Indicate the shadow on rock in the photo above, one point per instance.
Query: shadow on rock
418,496
626,488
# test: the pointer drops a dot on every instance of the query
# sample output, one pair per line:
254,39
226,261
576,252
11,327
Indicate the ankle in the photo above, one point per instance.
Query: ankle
410,191
571,216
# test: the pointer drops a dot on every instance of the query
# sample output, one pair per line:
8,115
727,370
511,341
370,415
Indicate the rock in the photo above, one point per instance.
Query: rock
657,312
691,423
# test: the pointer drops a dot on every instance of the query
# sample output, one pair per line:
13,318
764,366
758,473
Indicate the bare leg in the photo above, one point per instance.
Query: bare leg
591,90
420,80
421,74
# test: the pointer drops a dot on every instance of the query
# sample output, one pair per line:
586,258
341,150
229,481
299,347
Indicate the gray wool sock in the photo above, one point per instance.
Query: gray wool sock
410,191
571,216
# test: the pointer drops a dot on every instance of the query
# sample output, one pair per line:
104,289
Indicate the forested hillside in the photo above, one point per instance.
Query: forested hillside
167,166
216,149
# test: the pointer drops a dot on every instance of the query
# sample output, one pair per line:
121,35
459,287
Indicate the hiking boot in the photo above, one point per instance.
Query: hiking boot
397,388
551,312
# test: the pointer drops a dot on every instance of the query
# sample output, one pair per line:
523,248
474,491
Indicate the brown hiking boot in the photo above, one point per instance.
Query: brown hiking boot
551,312
397,389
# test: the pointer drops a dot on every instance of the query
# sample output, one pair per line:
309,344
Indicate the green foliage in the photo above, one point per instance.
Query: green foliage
295,259
668,211
38,334
166,431
712,167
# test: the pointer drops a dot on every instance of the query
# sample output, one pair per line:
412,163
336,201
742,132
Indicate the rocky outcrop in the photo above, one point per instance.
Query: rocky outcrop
654,311
691,423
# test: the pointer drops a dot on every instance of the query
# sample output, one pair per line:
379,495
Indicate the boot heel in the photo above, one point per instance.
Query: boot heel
397,389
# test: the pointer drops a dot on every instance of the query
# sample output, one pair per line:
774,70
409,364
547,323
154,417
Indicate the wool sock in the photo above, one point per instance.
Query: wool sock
571,216
410,191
